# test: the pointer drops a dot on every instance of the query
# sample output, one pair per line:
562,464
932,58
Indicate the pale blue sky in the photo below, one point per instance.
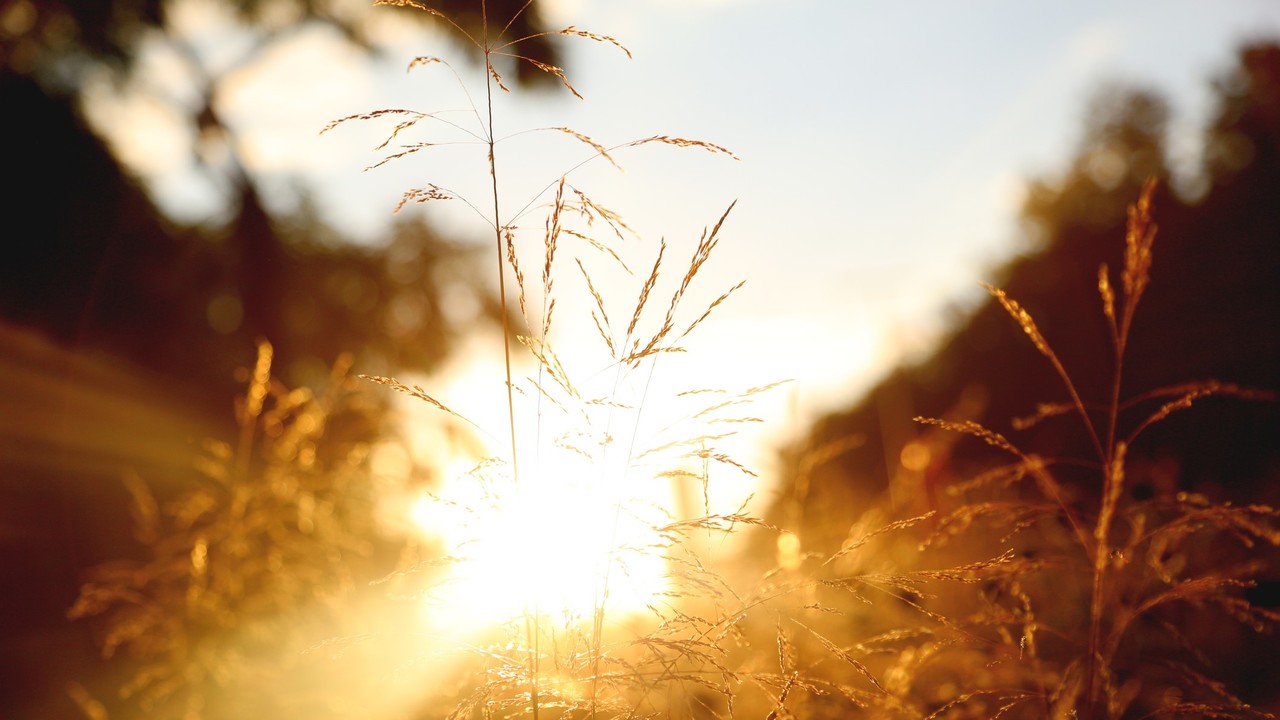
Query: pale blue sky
883,144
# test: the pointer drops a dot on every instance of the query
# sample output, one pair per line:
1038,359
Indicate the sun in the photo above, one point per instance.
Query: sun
570,538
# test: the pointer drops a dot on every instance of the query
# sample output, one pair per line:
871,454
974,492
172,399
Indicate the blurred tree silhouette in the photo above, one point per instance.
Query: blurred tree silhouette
1212,311
57,37
91,262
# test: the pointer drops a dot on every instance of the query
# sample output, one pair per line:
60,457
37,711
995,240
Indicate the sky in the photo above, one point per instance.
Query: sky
883,147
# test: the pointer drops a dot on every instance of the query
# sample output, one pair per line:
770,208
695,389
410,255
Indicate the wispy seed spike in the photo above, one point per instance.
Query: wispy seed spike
647,288
430,11
1138,240
686,142
423,195
515,267
420,61
370,116
600,149
550,70
1022,317
1108,295
968,427
707,313
493,72
571,30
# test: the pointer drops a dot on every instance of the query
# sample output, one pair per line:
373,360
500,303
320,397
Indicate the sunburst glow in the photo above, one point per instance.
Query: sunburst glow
564,541
577,532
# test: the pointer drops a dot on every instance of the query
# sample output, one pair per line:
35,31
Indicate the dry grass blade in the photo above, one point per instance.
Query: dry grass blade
421,61
601,150
415,116
710,409
606,402
764,388
435,562
786,652
780,710
415,391
975,572
697,441
596,244
896,525
509,235
637,354
711,454
1214,712
1218,689
706,245
842,654
1190,393
1018,515
1010,701
969,427
547,358
602,318
646,290
1247,523
1137,248
1028,325
1043,412
1258,619
1108,296
1113,488
497,78
551,239
1244,393
684,143
1000,477
543,392
1201,589
550,70
591,210
408,150
701,391
721,523
714,304
423,195
1023,318
571,30
418,5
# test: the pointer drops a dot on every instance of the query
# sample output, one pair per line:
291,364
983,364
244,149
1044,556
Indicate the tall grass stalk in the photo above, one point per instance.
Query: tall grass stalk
554,384
531,618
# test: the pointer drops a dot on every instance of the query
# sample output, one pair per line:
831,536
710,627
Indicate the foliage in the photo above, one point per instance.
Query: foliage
247,569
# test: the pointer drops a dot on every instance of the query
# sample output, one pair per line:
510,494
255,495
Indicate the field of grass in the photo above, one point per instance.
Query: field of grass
582,562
